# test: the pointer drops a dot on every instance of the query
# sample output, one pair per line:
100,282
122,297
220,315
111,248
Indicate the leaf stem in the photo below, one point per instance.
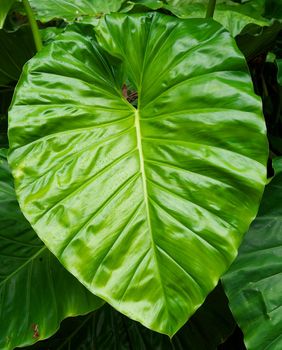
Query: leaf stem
33,25
210,8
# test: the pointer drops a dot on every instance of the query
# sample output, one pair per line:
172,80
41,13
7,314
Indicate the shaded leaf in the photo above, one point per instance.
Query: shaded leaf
255,40
107,329
279,75
16,48
273,9
277,165
253,283
155,197
208,327
36,292
6,94
234,342
4,10
276,144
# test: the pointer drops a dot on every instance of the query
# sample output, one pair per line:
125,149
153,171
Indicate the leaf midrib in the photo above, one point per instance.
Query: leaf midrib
146,197
142,168
137,125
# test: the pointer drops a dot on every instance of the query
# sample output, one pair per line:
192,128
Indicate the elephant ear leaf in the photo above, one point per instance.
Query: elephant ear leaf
253,283
145,205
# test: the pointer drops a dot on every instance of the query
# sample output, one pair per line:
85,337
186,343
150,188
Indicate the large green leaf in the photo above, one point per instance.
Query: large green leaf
254,282
146,206
107,329
36,292
69,10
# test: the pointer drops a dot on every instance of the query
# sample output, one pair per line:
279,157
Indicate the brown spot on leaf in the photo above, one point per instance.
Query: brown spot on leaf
124,91
131,96
35,329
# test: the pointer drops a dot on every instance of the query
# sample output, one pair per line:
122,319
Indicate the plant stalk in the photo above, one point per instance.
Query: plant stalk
210,8
33,25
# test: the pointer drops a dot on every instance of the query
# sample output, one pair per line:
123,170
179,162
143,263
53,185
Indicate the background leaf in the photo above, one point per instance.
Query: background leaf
5,100
273,9
16,48
279,75
107,329
69,10
262,48
253,283
96,175
141,5
36,292
255,40
4,10
233,16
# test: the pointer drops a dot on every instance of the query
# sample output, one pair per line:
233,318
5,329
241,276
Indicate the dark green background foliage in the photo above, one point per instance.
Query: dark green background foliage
145,93
108,329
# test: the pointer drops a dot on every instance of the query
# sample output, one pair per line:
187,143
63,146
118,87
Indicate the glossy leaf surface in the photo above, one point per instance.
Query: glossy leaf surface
107,329
69,10
254,282
36,292
142,4
233,16
146,206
